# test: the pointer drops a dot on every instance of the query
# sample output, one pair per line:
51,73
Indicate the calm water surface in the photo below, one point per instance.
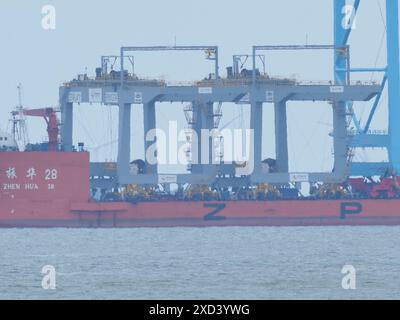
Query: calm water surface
209,263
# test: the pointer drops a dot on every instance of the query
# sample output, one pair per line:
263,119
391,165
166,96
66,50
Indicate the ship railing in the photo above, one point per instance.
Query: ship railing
173,83
130,81
223,82
331,83
272,80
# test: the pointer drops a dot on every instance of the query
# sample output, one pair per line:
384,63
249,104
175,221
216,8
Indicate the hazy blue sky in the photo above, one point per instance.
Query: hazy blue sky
85,30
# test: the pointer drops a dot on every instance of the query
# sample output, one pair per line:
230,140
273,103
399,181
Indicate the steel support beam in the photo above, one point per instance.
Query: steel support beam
371,169
229,93
202,147
393,75
256,115
369,141
341,36
340,139
67,125
341,49
375,105
281,138
345,34
341,76
124,141
149,123
361,70
208,49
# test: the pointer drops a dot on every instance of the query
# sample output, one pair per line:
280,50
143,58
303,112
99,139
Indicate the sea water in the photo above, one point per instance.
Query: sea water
200,263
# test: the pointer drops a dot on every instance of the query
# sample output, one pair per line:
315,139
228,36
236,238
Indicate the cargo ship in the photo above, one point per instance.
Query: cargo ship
45,186
52,189
54,184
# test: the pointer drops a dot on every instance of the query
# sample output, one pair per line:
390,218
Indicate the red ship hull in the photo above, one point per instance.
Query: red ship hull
52,190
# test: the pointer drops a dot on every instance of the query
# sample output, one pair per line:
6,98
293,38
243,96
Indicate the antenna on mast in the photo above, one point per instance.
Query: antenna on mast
19,87
19,129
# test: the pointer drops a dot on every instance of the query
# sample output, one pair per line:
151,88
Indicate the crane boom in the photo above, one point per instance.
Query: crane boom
49,115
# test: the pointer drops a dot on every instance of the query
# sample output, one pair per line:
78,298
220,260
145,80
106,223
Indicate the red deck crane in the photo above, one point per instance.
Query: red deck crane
49,115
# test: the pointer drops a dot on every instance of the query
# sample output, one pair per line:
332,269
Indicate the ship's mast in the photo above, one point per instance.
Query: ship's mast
19,128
